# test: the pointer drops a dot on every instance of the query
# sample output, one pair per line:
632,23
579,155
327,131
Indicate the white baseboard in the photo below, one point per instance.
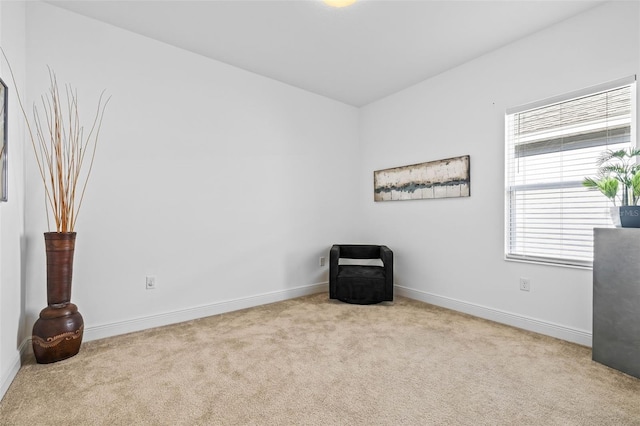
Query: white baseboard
138,324
526,323
531,324
7,378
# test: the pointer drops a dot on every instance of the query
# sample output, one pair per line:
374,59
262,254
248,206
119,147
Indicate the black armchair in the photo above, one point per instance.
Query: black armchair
361,284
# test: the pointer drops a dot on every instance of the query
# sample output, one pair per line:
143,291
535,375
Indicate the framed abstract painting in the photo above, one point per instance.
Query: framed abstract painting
3,141
446,178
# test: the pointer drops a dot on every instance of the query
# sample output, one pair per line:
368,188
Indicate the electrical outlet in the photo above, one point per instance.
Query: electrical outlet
525,284
322,261
151,283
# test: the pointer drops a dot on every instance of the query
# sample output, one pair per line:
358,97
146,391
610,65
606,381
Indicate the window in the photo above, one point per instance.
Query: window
551,146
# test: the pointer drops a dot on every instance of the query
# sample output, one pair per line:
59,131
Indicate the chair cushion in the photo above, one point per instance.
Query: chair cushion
361,271
360,284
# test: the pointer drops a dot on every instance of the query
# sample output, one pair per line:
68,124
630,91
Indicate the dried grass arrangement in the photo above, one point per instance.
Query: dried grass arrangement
64,154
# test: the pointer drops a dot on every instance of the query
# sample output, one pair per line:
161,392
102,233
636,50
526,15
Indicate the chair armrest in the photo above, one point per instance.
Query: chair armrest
386,255
334,256
387,259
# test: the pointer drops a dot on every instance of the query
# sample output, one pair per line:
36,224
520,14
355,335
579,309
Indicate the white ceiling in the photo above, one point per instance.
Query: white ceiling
355,55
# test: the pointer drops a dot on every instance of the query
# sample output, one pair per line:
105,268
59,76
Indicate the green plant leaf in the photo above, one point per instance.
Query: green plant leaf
635,186
607,185
619,165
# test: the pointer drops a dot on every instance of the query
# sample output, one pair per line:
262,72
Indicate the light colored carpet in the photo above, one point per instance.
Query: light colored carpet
313,361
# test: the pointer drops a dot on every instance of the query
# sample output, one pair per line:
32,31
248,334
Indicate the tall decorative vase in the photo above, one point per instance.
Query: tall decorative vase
57,334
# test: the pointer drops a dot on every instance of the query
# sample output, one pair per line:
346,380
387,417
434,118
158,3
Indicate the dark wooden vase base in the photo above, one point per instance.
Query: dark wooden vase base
57,334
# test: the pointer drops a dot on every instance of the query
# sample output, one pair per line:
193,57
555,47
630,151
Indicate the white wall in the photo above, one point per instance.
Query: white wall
450,251
228,186
12,336
224,185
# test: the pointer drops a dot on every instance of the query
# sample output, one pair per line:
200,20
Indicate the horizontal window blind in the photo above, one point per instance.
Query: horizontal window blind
550,149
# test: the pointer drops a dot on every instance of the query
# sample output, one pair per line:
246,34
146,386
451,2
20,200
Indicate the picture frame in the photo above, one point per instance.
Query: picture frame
4,101
447,178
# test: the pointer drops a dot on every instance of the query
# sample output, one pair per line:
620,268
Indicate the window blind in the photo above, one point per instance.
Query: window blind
550,149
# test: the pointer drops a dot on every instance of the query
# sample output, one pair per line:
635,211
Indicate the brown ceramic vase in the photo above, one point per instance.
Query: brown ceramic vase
57,334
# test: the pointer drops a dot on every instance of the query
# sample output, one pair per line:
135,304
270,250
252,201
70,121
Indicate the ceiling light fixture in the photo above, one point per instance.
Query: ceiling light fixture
339,3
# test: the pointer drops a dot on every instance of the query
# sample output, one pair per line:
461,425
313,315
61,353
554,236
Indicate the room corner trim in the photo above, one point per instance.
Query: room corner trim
520,321
159,320
11,372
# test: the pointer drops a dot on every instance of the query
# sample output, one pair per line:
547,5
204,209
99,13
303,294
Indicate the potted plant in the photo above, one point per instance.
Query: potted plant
619,180
64,155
